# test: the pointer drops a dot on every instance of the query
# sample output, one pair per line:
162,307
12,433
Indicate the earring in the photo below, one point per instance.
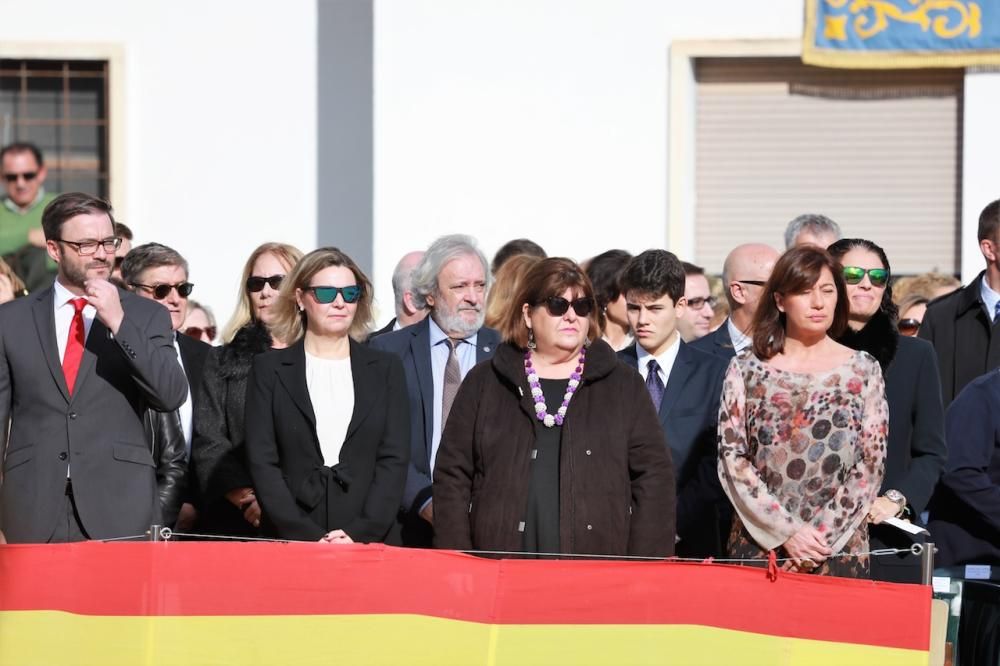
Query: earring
531,340
301,309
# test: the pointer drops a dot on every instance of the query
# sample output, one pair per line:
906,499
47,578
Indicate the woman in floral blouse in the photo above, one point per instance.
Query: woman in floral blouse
802,426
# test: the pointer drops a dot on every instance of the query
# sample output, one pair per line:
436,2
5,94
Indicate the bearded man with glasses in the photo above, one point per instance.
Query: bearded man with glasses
80,362
22,243
160,273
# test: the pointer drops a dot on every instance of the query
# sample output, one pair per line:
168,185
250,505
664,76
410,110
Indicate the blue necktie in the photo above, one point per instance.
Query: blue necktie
996,312
654,384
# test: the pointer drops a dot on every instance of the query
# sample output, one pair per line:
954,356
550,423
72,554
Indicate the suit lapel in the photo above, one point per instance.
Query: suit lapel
292,375
679,375
43,312
420,352
367,385
486,343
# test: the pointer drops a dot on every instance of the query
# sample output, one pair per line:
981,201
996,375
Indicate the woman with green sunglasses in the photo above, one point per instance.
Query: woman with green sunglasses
327,418
915,452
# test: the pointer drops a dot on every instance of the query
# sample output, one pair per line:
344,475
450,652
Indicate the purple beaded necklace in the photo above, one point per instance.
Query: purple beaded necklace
550,420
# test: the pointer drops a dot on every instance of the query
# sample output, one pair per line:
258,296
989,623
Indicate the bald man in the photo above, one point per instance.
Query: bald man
402,289
743,276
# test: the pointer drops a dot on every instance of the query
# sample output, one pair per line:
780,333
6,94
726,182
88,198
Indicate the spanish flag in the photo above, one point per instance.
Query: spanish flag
296,603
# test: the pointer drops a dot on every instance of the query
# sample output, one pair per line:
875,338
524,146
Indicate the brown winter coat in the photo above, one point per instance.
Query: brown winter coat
616,480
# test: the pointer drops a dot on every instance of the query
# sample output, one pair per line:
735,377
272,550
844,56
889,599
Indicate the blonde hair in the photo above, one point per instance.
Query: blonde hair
288,255
16,283
927,285
506,284
289,323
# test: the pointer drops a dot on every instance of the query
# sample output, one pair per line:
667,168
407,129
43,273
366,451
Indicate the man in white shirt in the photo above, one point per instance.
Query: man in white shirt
685,386
160,274
79,364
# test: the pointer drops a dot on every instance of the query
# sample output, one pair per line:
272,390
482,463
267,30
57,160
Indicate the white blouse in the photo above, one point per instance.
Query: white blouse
331,389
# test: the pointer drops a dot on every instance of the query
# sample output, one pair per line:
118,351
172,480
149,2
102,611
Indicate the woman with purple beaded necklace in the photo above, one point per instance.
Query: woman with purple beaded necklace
553,446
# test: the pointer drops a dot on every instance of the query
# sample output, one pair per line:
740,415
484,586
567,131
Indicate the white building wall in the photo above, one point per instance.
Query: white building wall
219,103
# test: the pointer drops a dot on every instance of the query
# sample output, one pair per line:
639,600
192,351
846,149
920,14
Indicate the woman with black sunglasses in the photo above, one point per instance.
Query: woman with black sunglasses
328,418
915,454
229,503
553,446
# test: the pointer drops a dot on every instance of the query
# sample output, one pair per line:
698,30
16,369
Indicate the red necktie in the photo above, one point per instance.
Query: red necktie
74,344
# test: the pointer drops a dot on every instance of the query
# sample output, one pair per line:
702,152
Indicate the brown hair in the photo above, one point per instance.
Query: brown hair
289,323
288,255
69,205
506,283
548,277
796,270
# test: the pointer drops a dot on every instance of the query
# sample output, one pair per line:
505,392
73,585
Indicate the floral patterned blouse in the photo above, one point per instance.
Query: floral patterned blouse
798,448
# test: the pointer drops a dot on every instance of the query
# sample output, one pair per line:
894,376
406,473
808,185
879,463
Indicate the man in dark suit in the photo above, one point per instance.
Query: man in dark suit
685,386
160,273
965,510
407,312
450,282
79,364
962,325
744,274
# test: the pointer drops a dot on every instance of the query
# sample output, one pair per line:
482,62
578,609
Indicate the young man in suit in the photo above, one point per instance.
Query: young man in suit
160,273
450,282
80,362
685,386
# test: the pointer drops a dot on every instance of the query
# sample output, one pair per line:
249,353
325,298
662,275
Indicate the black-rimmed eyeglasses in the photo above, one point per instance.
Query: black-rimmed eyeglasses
89,247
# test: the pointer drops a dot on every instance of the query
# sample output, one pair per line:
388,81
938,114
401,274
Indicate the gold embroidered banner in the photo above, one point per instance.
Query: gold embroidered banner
890,34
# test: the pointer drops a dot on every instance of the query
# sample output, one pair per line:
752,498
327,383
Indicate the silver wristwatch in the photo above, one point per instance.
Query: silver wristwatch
897,498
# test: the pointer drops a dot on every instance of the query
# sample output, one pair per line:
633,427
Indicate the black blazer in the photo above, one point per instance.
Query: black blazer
300,497
718,343
689,416
965,510
412,345
382,331
966,342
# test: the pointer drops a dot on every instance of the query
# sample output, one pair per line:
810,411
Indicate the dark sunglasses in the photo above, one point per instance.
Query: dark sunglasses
909,326
557,306
854,275
196,331
27,175
256,283
161,291
324,295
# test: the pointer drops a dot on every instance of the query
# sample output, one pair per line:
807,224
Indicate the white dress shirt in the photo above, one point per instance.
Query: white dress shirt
990,299
64,312
187,409
665,360
740,340
331,390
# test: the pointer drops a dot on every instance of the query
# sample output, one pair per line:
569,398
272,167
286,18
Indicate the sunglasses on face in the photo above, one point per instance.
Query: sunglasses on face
197,331
909,327
854,275
161,291
256,283
325,295
558,306
27,175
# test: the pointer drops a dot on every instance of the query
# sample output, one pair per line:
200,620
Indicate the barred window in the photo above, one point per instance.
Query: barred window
62,107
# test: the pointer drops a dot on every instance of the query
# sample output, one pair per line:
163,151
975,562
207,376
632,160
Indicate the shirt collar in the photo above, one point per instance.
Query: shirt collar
990,297
740,340
62,295
14,208
437,335
664,360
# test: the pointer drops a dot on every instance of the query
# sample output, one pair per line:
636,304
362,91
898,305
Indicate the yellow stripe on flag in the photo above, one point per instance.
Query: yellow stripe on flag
54,637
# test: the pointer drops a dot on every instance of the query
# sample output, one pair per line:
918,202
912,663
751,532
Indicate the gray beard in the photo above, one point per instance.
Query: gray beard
454,323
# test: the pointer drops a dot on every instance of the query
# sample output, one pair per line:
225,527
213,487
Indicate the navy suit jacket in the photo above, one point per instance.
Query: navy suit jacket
412,345
689,415
717,343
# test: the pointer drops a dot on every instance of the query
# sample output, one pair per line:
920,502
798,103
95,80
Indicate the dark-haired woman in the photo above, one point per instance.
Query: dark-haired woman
553,446
916,450
328,418
802,426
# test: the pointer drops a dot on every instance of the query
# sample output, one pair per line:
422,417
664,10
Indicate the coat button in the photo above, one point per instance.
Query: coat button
63,456
72,415
588,452
590,527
